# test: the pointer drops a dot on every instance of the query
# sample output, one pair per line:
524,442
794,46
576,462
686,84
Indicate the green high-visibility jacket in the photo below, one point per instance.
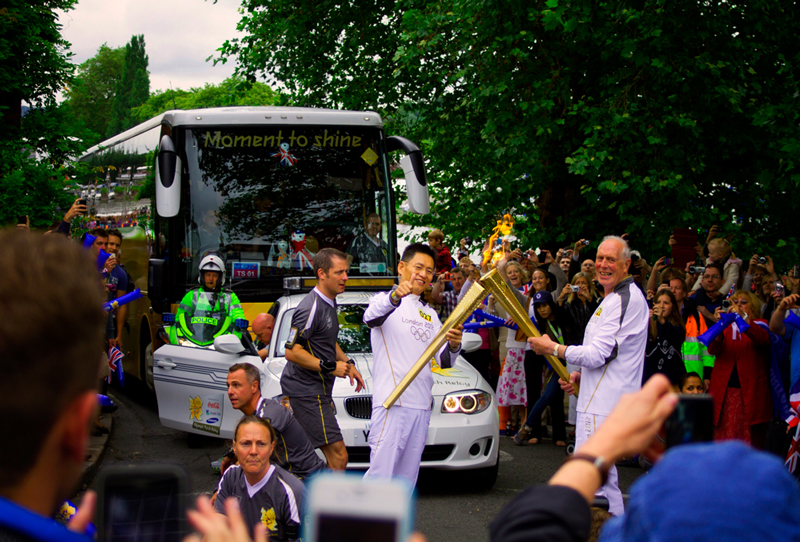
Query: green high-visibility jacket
200,322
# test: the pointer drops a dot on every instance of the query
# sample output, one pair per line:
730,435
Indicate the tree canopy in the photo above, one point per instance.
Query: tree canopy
34,149
232,91
133,86
92,94
35,61
585,118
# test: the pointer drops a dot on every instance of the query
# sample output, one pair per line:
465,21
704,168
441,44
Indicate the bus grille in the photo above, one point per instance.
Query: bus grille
359,407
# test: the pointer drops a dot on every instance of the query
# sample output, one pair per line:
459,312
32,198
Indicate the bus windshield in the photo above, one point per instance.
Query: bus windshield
269,197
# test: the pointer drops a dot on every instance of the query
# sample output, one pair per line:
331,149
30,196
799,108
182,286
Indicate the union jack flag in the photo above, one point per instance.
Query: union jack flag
793,456
115,364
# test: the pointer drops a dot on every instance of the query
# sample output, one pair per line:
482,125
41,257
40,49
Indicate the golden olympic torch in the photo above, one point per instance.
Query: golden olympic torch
495,283
471,301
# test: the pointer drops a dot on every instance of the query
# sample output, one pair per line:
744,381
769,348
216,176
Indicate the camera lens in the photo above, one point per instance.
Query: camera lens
586,243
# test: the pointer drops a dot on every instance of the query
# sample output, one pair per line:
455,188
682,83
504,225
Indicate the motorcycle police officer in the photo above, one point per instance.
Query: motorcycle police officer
208,311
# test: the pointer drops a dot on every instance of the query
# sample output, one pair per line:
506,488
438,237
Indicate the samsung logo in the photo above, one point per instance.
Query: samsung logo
212,420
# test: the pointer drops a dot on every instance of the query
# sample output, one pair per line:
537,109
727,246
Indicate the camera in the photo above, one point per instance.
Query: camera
585,243
779,288
762,260
468,241
575,289
726,304
696,269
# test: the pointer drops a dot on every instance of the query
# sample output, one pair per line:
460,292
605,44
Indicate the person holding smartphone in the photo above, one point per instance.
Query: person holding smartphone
744,494
401,329
665,339
266,493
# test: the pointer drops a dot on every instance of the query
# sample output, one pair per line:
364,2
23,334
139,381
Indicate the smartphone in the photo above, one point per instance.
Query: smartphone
669,261
691,421
142,503
85,203
342,506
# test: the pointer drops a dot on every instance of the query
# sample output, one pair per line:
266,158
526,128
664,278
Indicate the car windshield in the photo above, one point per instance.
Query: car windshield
354,335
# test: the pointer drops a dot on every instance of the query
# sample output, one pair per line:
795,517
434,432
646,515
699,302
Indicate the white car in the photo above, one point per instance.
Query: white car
464,431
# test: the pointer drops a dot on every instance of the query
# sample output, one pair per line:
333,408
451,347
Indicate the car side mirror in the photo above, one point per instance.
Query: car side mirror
229,344
470,342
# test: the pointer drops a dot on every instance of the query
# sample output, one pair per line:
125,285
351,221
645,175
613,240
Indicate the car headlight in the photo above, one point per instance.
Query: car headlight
466,402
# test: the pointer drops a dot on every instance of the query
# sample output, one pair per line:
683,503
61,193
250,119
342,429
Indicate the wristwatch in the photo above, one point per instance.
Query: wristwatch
599,462
555,351
394,299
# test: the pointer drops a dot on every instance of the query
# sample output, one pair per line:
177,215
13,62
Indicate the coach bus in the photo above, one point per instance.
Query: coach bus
267,187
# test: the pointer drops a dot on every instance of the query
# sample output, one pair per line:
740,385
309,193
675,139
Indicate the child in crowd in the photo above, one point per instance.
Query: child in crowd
444,262
692,384
719,251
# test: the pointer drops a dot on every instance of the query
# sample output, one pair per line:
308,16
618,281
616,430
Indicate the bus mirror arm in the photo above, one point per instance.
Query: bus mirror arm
413,164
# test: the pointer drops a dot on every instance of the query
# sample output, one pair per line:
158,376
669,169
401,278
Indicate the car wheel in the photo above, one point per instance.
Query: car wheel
484,479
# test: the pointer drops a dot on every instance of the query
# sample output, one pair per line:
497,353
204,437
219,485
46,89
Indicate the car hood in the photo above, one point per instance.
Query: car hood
462,376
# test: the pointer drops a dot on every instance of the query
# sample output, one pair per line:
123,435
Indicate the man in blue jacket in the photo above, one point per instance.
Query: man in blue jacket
48,395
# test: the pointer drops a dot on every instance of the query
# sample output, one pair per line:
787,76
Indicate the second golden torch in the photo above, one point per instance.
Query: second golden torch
495,283
490,282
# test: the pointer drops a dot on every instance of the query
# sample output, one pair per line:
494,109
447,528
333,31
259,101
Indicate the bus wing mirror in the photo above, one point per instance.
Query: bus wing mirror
414,171
155,284
168,178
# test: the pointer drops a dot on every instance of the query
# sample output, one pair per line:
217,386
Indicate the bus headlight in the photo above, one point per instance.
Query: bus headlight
466,402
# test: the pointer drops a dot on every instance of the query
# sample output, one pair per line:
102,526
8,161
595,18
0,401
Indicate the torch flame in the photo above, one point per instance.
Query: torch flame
501,232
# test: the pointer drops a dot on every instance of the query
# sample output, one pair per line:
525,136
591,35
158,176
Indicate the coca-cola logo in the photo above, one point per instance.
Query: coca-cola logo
213,405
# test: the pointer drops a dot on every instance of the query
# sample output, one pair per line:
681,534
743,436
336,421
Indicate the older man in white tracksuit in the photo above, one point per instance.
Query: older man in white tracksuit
611,356
402,328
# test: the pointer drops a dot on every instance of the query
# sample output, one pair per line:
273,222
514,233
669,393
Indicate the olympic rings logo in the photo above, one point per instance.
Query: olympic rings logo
421,334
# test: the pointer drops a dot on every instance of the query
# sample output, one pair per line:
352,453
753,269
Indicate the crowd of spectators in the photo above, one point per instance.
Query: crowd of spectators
685,301
560,293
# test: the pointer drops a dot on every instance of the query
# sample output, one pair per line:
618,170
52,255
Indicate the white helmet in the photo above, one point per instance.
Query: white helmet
212,261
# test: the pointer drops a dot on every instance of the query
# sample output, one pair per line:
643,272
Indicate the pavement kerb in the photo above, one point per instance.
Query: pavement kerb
96,449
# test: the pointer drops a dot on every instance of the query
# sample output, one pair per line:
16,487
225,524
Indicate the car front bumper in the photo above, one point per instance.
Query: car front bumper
455,441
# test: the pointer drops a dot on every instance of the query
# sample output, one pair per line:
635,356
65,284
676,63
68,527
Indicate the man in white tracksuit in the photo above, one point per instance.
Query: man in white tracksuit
402,328
611,356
